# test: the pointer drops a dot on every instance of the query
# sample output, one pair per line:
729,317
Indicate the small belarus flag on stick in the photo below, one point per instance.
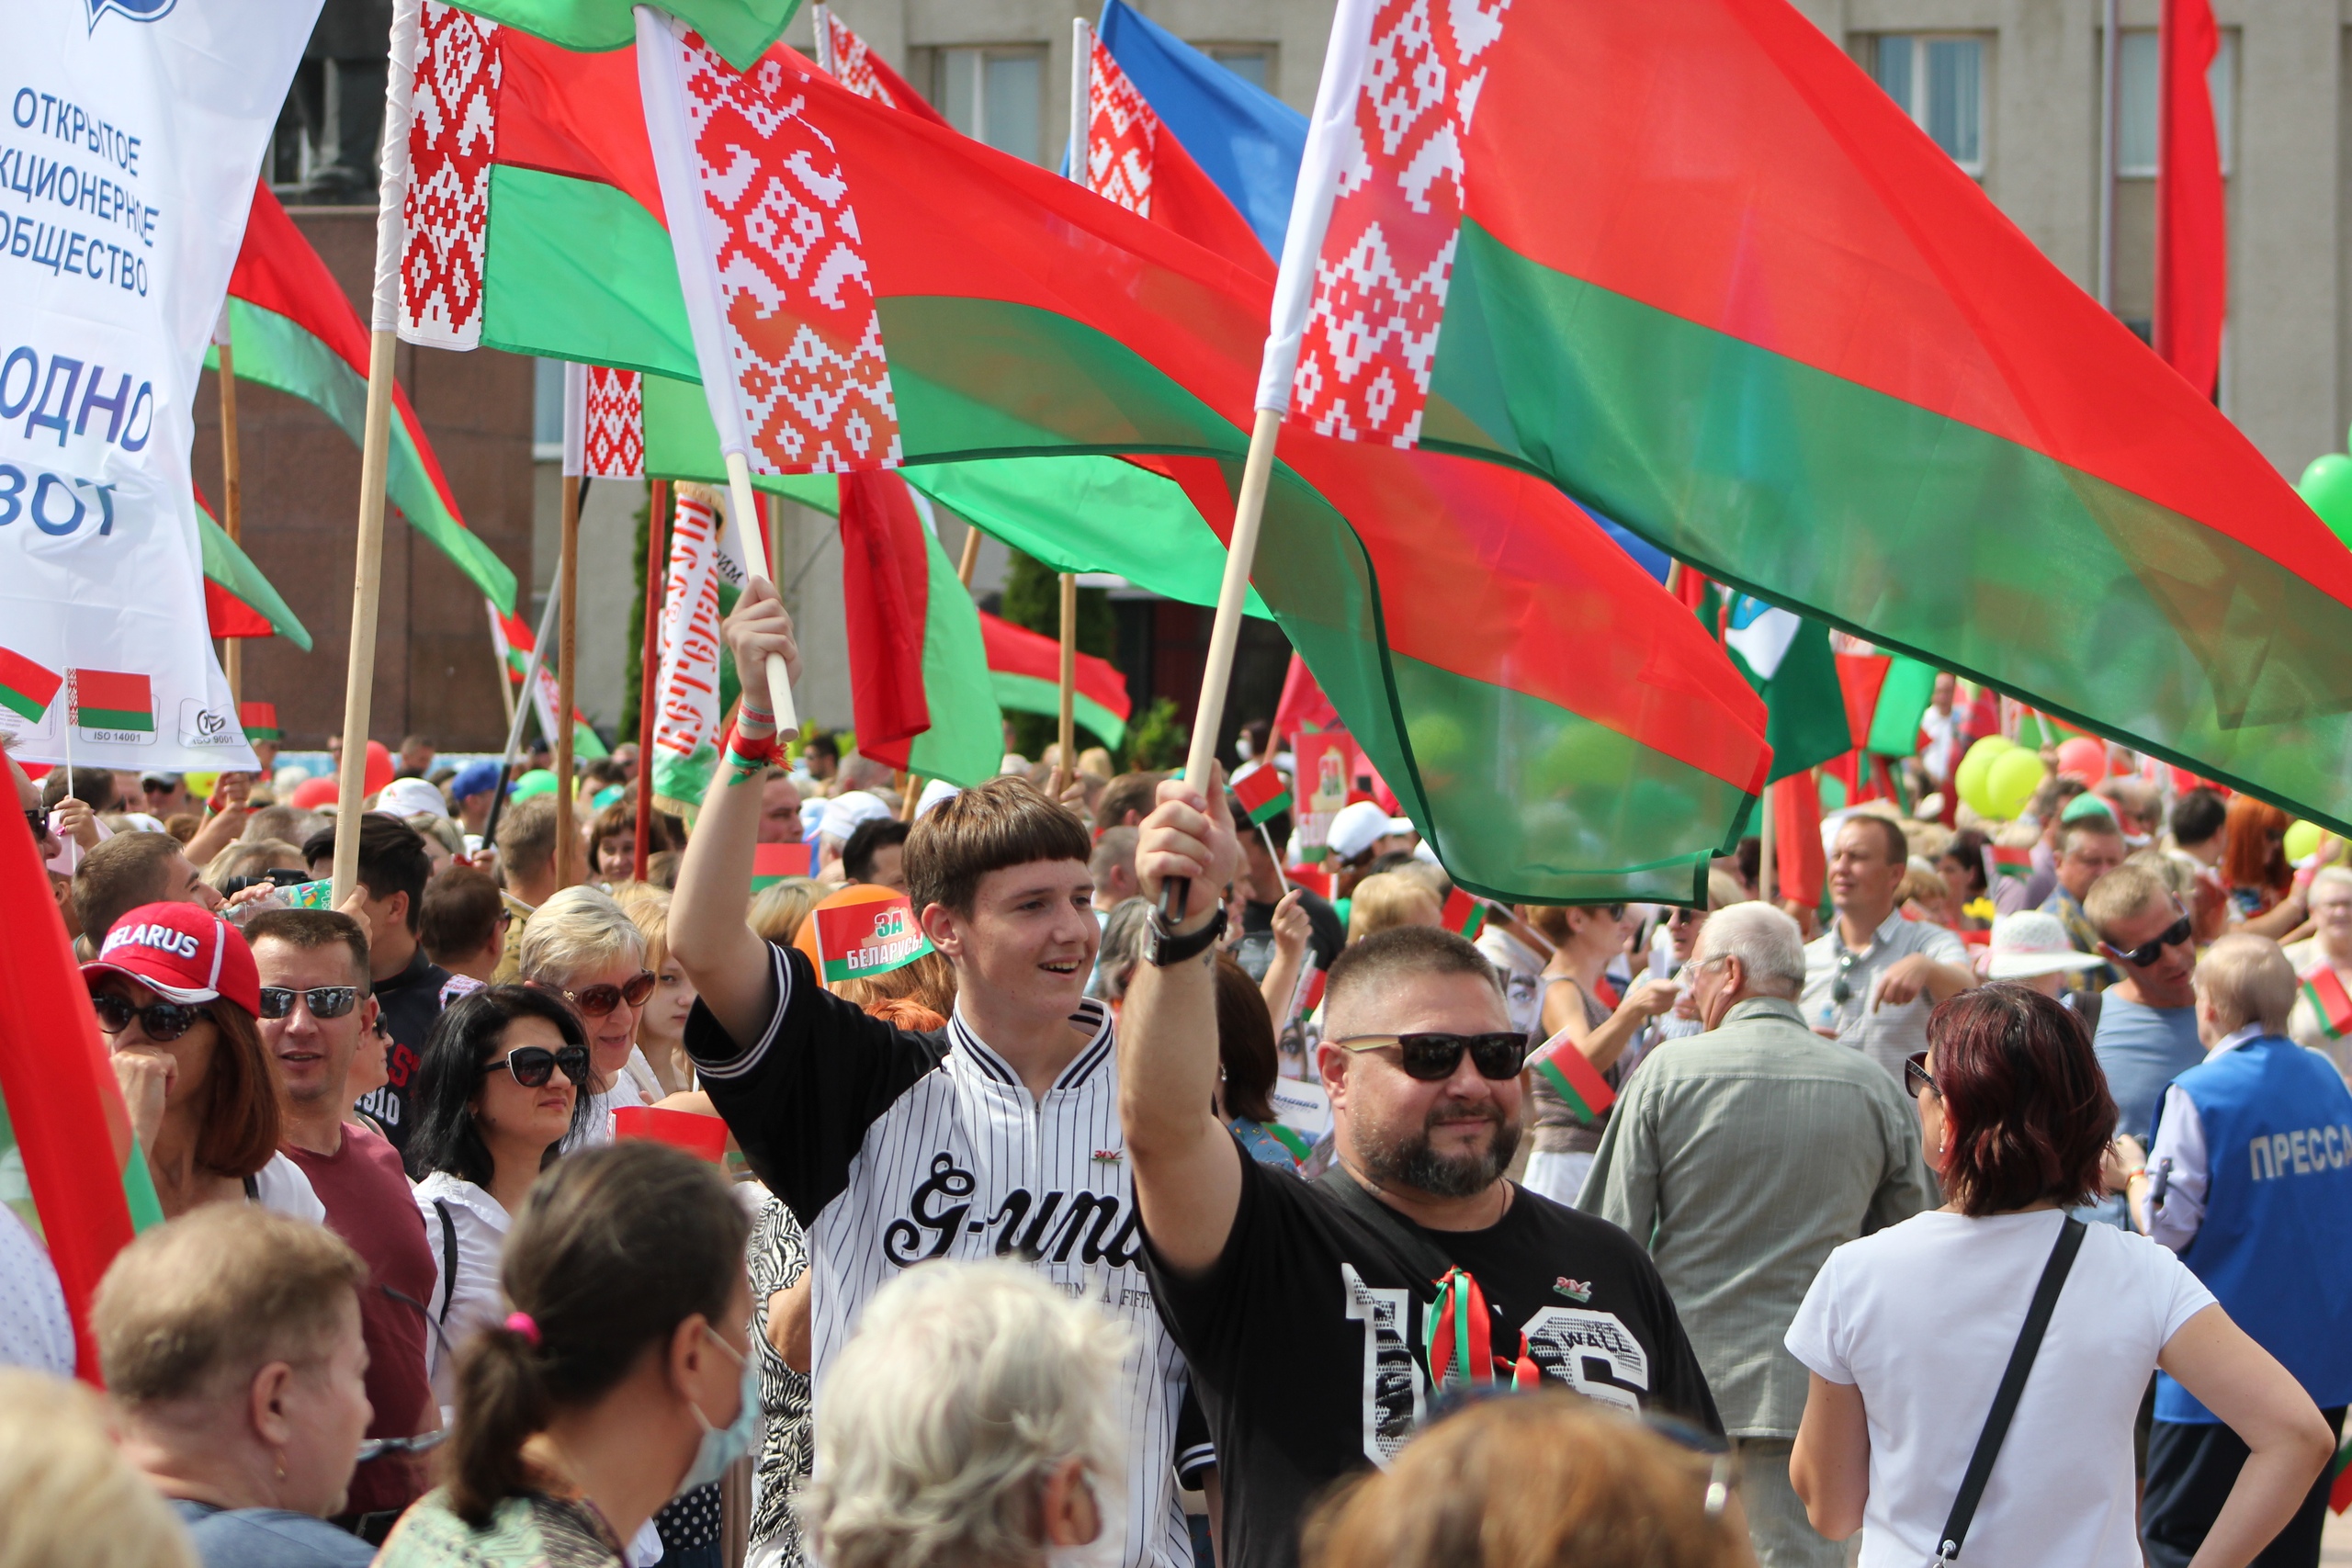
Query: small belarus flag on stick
113,699
259,721
2339,1485
2008,861
1264,794
1463,915
26,688
771,863
1573,1076
2331,1006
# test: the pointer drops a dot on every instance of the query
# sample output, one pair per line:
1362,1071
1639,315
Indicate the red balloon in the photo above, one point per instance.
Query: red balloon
379,770
2084,758
311,794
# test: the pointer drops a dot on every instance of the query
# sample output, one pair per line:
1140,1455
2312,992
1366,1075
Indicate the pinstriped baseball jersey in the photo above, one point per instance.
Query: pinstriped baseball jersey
894,1149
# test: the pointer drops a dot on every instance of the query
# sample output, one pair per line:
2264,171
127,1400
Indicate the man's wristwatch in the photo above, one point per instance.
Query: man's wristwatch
1167,947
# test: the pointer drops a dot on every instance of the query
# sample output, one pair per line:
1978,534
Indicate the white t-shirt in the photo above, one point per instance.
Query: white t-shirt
282,1189
1922,1317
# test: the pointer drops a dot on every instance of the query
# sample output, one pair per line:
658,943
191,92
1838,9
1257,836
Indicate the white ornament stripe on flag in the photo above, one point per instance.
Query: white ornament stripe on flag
165,110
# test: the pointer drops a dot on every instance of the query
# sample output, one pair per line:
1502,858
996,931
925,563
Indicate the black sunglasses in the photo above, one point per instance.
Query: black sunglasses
598,1000
37,820
163,1021
1432,1058
324,1001
532,1065
1841,990
2147,953
1915,1076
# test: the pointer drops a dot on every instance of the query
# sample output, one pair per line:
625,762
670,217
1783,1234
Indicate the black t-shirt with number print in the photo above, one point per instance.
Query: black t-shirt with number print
1305,1338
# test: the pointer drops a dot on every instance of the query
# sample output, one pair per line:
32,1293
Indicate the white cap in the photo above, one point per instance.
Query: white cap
410,797
843,813
933,792
2033,941
1357,826
812,814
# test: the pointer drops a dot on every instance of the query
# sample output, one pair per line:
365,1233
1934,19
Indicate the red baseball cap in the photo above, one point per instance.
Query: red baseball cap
184,952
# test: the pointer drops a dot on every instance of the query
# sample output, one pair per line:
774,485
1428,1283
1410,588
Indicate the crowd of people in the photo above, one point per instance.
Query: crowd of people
534,1205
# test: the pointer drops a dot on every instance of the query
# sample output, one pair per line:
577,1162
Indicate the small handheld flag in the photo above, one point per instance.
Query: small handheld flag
1573,1076
705,1137
1265,795
2008,861
259,721
1463,915
2330,1005
855,942
27,688
771,863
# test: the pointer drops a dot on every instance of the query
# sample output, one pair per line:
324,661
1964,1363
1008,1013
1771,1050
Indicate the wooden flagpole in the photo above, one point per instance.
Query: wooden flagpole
1067,768
359,678
649,669
232,492
1764,835
747,518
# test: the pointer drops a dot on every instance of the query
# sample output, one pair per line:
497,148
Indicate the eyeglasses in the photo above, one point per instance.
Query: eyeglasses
163,1022
532,1065
2147,953
37,820
324,1001
598,1000
1841,990
1432,1058
1916,1077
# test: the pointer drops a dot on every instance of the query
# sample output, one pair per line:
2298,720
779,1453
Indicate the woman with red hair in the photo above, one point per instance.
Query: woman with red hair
1908,1333
2265,897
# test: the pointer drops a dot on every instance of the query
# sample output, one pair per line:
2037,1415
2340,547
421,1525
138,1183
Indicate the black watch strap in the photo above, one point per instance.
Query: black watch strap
1168,948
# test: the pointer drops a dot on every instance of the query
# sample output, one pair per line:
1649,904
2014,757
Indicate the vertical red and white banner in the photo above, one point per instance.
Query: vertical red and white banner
706,552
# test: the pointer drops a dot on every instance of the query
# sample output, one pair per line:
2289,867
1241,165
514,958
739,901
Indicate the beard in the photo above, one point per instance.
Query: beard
1407,1159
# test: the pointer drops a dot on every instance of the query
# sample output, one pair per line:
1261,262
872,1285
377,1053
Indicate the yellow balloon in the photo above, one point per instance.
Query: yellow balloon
1969,777
2302,840
2010,782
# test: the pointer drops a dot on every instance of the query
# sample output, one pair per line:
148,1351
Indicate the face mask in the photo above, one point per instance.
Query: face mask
722,1446
1243,748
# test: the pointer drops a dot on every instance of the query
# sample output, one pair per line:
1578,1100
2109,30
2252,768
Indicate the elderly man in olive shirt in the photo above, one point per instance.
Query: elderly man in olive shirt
1741,1157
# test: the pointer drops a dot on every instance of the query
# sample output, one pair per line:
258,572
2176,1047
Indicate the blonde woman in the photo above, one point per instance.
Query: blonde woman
662,1026
580,945
1387,899
778,908
68,1497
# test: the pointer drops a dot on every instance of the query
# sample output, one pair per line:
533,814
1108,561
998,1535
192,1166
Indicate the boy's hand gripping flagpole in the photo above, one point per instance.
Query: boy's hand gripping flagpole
400,84
1310,215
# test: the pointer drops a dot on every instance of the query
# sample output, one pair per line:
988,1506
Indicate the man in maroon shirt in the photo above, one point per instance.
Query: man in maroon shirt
315,1012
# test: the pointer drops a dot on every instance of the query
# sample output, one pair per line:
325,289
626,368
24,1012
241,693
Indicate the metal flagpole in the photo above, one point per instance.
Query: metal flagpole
518,709
400,81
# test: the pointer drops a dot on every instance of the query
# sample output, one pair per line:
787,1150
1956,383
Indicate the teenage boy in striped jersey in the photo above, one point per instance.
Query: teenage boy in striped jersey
997,1137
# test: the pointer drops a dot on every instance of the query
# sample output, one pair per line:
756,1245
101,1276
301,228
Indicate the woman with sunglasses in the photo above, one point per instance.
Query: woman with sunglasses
1907,1333
496,1093
585,948
176,992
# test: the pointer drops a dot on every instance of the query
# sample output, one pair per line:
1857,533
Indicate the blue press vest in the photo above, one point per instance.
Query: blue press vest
2276,1247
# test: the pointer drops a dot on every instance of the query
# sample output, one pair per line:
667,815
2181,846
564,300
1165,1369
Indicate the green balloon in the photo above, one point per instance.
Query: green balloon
2010,783
2326,488
1969,777
538,781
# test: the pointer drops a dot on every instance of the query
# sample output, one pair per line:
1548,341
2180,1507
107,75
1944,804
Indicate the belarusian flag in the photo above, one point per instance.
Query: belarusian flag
987,309
27,688
1786,657
2330,1005
513,642
259,721
1263,792
1136,161
292,328
1025,673
771,863
2011,861
742,30
847,59
918,672
1762,318
1574,1078
2339,1484
238,600
1463,915
111,699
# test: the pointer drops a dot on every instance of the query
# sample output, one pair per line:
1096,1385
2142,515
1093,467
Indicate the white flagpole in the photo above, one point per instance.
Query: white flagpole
400,84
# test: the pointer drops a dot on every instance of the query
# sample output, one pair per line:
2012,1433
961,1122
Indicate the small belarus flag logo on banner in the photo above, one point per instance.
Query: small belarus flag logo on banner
26,688
113,700
1262,794
771,863
1573,1076
259,721
1463,915
855,940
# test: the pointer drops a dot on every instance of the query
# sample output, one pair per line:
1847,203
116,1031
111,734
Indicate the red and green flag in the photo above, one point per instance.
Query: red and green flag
771,863
1463,915
238,600
1556,728
856,940
111,699
1574,1078
259,721
1025,673
2339,1479
2011,861
2330,1005
1263,792
740,30
292,328
27,685
1786,657
1762,320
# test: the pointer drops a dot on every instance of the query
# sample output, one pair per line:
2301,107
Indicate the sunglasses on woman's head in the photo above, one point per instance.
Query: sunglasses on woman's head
598,1000
161,1021
2147,953
324,1001
1432,1058
534,1065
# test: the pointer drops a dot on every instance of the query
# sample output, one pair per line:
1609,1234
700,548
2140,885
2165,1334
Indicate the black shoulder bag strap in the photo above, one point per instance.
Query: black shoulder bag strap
449,1257
1420,1254
2012,1388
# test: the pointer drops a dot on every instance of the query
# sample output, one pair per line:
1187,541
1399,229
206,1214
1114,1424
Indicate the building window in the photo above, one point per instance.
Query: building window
546,410
2135,101
996,96
1939,83
1253,63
